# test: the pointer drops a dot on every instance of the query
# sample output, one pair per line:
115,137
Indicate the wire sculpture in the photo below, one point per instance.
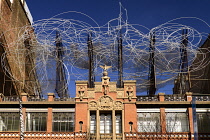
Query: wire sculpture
136,50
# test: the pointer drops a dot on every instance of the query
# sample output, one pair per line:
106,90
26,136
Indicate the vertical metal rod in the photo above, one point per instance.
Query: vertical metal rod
61,84
195,125
120,61
91,78
152,77
21,119
184,83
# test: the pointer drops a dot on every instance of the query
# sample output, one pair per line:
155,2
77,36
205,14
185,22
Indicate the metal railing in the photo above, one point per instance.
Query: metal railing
43,135
36,98
10,98
147,98
175,98
158,135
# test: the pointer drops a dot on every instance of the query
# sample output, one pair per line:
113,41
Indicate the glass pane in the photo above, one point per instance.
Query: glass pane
148,122
118,124
9,121
177,122
105,123
36,121
63,122
92,123
203,121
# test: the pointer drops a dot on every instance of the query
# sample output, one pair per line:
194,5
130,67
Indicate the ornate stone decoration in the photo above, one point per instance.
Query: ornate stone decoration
105,78
129,92
91,94
92,105
81,92
105,103
120,94
118,105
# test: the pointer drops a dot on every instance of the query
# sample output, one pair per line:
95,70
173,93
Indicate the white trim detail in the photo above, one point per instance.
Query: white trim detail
63,110
203,110
176,110
36,110
9,110
148,110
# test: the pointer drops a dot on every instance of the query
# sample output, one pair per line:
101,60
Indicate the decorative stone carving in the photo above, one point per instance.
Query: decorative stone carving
129,91
105,103
120,94
98,88
81,92
91,94
112,87
92,105
105,78
118,105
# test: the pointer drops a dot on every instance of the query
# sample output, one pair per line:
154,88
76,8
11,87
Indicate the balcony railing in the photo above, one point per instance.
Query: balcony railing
106,136
147,98
10,98
44,135
175,98
202,98
158,136
64,99
36,98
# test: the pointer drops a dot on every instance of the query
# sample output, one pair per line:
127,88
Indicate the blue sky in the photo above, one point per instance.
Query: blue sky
149,13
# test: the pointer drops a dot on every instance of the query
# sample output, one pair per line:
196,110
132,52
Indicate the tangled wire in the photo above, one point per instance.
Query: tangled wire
40,43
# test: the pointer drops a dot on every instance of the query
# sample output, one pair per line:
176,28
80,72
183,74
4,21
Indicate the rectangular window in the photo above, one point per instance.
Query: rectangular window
9,121
36,121
93,122
105,123
118,123
148,122
177,122
203,121
63,122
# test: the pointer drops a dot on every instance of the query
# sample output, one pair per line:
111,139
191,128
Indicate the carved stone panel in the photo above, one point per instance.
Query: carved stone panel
120,94
118,105
91,94
112,87
92,105
129,92
105,103
98,88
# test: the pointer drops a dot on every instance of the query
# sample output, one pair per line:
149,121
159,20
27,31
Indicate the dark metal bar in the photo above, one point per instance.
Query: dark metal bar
61,82
182,83
91,78
120,61
152,78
